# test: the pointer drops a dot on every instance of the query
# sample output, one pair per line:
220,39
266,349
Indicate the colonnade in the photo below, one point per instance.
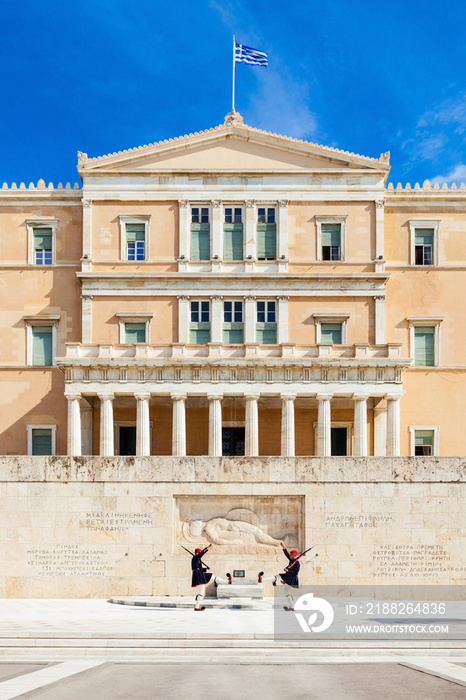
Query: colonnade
323,432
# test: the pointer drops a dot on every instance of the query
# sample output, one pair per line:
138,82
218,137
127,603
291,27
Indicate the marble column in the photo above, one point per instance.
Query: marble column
250,319
360,426
216,324
380,430
282,325
142,425
252,426
288,436
324,446
183,319
393,426
379,304
184,230
179,425
215,425
107,448
74,425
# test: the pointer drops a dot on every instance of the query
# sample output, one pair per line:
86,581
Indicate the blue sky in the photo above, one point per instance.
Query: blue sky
103,75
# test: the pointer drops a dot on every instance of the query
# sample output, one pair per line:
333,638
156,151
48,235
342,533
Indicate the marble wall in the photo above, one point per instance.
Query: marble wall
95,527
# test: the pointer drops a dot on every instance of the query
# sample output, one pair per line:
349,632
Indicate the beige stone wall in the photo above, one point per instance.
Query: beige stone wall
163,326
163,231
95,527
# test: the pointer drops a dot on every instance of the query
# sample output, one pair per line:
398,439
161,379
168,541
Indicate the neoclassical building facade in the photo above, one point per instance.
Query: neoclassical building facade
232,292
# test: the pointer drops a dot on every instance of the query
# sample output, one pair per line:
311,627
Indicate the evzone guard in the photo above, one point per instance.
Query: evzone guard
290,576
200,577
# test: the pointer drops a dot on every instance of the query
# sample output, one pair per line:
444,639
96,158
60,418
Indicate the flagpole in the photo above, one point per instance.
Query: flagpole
233,85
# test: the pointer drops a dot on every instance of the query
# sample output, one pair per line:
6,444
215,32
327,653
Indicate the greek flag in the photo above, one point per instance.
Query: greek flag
253,57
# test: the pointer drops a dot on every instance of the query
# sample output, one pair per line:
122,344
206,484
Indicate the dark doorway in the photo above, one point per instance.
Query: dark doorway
127,440
338,440
232,442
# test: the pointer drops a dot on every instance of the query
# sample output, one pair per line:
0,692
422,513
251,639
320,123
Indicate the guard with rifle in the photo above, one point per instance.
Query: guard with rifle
201,577
290,575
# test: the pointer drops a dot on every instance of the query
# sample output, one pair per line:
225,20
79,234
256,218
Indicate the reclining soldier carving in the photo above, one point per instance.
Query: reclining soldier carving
223,531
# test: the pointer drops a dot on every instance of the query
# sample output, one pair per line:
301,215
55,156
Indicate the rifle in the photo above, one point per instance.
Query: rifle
193,555
298,558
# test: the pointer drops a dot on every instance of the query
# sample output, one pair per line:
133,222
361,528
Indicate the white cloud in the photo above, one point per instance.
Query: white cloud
457,175
280,105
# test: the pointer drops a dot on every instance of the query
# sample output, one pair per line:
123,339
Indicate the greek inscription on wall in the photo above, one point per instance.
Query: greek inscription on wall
115,522
412,561
357,521
69,560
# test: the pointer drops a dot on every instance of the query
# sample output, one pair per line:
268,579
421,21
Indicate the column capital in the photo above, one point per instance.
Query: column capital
178,397
322,397
216,203
249,297
106,396
87,203
379,203
288,397
250,397
71,395
361,397
183,202
392,397
142,395
250,203
216,297
283,203
183,297
283,297
215,397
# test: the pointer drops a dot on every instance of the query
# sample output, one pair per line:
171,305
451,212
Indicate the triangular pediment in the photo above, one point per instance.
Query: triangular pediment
231,147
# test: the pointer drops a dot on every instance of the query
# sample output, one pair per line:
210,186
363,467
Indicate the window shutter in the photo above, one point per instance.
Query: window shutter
424,236
200,241
41,441
424,437
233,242
135,333
330,234
233,333
135,232
266,241
330,333
424,347
266,333
43,239
199,333
42,346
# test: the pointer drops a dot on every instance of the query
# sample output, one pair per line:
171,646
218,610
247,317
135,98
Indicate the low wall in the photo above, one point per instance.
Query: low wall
96,527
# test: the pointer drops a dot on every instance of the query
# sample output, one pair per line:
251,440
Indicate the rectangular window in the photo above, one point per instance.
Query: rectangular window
331,333
423,246
331,241
200,233
42,246
135,241
233,329
199,327
266,326
233,234
41,441
424,346
135,333
424,443
42,346
266,234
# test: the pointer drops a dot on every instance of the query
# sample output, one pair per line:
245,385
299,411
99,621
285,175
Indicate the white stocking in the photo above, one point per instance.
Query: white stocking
199,597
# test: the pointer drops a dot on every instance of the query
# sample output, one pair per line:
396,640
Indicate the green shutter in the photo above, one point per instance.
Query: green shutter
424,354
42,346
267,241
43,239
41,441
199,333
424,437
424,236
266,333
233,333
135,232
330,333
233,241
135,333
330,234
200,241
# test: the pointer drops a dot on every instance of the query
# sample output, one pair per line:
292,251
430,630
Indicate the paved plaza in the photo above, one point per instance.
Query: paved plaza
70,649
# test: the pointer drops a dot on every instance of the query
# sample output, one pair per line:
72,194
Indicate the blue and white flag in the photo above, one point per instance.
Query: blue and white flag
253,57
